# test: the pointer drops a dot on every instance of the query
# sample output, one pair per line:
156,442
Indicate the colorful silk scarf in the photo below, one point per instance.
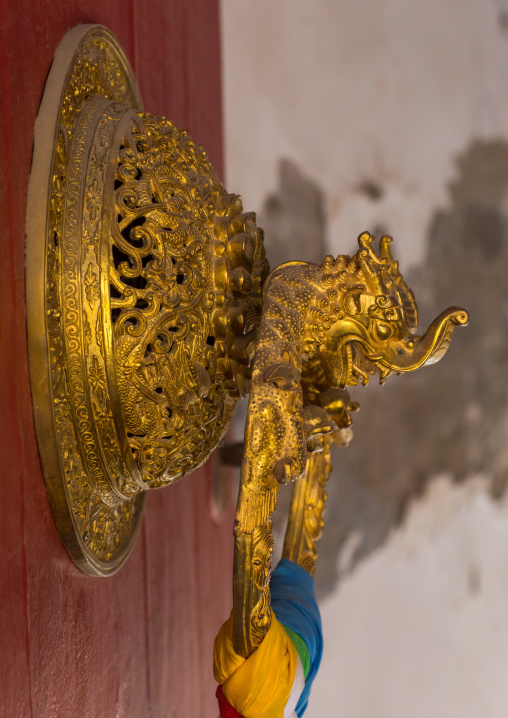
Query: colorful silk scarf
278,675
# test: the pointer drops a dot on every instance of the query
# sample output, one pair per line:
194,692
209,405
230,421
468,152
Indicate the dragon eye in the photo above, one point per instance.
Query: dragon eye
383,331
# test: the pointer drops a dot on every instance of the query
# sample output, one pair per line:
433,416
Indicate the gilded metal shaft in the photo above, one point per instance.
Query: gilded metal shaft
306,512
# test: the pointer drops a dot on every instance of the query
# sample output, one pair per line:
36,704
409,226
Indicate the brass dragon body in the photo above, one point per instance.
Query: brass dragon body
322,328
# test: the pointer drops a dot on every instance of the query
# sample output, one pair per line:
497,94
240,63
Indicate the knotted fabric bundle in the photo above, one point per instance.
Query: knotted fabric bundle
279,673
259,686
293,601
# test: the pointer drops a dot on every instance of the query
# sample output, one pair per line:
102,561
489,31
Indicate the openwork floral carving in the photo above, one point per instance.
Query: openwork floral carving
153,279
174,233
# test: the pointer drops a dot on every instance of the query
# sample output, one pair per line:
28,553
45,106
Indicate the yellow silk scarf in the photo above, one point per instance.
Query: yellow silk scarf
259,686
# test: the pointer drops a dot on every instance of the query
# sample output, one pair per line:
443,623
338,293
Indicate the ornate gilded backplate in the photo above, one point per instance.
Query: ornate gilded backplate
144,292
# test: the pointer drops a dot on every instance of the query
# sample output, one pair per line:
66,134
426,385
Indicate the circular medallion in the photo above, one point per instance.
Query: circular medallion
144,286
88,468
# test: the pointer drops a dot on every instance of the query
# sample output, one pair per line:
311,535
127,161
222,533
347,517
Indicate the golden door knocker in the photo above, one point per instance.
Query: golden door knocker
151,311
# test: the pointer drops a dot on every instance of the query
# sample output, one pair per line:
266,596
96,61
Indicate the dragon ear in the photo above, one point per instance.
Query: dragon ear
351,300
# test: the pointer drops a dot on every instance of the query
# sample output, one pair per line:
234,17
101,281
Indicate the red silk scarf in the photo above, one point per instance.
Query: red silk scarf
226,710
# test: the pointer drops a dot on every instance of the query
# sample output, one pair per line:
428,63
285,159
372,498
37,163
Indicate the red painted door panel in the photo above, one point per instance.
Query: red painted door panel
137,644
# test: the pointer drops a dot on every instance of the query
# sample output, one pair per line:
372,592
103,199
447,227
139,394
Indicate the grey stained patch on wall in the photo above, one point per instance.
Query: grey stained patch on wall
452,417
371,189
294,219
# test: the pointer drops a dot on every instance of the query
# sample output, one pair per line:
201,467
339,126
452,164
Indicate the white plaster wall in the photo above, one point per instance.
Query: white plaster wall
419,630
386,90
389,91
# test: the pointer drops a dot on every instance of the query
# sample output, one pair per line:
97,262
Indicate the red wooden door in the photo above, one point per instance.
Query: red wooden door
139,643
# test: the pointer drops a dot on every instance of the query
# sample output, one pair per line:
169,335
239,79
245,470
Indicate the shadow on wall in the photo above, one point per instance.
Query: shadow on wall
452,417
294,219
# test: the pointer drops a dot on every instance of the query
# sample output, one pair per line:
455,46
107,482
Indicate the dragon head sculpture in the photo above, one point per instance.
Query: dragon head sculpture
365,321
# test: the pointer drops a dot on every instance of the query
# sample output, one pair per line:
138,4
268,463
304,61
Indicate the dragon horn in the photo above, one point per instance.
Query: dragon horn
384,249
365,240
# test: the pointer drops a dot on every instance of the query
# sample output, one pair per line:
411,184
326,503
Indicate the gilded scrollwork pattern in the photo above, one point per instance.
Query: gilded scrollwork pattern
176,242
98,73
